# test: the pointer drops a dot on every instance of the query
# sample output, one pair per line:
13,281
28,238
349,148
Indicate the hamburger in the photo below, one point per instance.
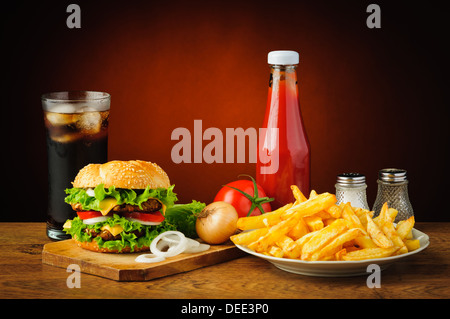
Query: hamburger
120,206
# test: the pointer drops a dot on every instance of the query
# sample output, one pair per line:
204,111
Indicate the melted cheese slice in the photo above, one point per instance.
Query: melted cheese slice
67,224
115,230
106,205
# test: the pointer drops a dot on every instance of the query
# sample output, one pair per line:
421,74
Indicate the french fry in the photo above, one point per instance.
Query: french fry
390,232
334,210
369,253
365,242
285,243
303,240
311,206
336,244
253,222
352,220
361,213
385,223
322,237
412,244
409,235
377,235
298,230
392,212
274,234
318,229
313,194
289,247
328,221
352,248
276,251
404,227
314,222
340,253
246,238
350,243
298,195
386,215
323,214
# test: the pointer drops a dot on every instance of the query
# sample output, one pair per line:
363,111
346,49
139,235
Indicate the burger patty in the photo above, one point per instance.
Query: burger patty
106,235
151,205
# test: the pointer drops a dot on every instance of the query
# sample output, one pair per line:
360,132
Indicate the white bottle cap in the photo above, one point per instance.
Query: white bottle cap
283,57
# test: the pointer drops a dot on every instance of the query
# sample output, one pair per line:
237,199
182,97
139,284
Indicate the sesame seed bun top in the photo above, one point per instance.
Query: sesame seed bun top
122,174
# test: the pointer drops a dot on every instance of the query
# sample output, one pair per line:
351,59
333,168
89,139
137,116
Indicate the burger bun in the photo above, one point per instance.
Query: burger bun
93,246
122,174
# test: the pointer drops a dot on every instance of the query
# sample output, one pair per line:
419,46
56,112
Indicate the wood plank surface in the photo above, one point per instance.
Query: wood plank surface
123,267
23,275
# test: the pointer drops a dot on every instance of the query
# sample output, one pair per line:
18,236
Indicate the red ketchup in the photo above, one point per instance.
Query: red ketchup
283,147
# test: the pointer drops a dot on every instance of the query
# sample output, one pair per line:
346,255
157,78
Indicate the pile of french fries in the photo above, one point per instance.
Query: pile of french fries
315,228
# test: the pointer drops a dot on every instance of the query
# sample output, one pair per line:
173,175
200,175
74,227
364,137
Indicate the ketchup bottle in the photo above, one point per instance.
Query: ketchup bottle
283,147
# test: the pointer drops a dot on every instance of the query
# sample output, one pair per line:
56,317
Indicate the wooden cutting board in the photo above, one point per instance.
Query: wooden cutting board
122,267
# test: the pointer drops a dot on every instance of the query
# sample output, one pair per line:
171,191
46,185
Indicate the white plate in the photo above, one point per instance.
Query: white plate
338,268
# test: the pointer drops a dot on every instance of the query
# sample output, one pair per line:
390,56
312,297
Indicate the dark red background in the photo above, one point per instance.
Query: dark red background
370,98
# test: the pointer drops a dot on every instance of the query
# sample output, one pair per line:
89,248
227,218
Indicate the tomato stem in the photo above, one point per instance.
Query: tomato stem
255,200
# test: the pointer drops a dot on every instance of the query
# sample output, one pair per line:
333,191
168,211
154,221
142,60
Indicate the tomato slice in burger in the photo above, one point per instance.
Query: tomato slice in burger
155,217
89,214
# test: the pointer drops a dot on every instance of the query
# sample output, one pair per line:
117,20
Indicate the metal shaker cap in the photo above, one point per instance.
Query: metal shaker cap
351,179
393,175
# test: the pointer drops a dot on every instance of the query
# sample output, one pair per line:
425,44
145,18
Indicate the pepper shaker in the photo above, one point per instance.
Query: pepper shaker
351,187
393,189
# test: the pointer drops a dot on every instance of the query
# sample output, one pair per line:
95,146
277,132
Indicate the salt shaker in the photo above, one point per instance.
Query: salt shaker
393,189
351,187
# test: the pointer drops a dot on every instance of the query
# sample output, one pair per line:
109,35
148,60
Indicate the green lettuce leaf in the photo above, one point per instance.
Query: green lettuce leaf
123,196
184,216
128,239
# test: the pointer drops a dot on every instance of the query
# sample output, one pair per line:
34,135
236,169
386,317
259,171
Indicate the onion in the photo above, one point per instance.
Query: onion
149,258
90,192
92,221
217,222
143,222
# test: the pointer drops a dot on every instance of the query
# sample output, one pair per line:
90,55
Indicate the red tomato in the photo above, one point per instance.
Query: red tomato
89,214
155,217
240,202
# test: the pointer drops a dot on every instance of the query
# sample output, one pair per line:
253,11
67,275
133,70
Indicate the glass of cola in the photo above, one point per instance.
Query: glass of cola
77,134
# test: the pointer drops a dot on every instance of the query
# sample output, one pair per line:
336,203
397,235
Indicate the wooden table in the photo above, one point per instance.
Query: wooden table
22,275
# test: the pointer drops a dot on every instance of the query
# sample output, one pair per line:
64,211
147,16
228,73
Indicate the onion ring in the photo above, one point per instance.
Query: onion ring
175,242
173,250
193,246
171,238
93,220
197,249
149,258
192,243
143,222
